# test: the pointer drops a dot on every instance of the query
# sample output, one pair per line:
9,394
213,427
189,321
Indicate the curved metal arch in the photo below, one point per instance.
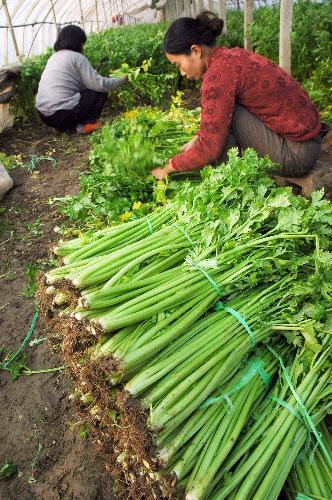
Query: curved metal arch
88,9
58,19
39,27
34,9
17,6
48,13
59,6
63,11
29,13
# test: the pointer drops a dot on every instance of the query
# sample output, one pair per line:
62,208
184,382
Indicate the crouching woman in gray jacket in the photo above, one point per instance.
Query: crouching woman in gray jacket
71,94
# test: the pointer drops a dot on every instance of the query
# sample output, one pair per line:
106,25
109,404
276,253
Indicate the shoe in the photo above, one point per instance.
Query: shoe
87,128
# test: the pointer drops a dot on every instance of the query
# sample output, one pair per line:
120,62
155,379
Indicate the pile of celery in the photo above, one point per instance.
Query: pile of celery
217,310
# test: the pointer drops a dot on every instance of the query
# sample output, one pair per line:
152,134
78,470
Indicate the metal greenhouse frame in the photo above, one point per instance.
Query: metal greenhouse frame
28,27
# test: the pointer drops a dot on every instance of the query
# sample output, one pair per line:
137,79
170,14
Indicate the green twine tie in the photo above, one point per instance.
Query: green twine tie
184,232
219,306
149,223
303,409
37,159
254,367
208,277
288,407
297,415
25,341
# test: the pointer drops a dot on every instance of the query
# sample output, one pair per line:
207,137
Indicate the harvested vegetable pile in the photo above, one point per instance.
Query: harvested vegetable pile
122,156
200,336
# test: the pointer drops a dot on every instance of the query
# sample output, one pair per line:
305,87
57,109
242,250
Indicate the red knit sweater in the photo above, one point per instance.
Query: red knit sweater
263,88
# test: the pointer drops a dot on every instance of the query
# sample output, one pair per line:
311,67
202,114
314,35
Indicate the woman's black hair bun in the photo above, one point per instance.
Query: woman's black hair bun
211,22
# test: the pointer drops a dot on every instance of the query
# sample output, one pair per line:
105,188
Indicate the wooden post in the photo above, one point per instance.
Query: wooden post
177,9
111,10
173,10
50,37
104,9
54,17
22,39
222,13
43,35
81,14
285,46
10,25
200,6
248,19
97,16
165,10
5,52
32,46
186,8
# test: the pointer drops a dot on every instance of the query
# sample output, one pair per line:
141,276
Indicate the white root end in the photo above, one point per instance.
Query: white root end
60,299
56,250
51,279
191,495
162,456
80,302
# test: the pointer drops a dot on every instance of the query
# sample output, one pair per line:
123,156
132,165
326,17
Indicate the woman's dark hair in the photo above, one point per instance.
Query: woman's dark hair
186,31
70,38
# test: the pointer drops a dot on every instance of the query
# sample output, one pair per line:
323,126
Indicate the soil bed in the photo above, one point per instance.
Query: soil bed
41,433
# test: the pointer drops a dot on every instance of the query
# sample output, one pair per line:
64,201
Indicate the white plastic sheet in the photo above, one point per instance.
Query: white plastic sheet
35,22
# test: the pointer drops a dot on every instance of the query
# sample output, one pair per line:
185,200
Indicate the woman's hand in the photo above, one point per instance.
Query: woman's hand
189,144
161,173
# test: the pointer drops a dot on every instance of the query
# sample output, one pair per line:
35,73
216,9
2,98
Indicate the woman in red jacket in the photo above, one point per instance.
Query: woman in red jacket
247,101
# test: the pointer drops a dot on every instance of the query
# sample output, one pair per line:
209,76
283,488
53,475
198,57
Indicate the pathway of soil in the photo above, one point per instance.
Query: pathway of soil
40,432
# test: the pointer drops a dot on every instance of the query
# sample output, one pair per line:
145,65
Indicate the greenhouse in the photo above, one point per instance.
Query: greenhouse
165,249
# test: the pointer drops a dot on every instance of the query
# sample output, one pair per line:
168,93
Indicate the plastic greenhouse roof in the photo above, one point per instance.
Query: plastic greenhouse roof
35,22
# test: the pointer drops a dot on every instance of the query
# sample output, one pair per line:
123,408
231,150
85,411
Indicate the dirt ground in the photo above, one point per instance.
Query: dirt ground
40,430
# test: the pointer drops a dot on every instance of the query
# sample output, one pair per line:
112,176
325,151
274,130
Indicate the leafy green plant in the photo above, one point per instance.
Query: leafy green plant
120,161
35,228
22,104
8,470
319,87
234,35
311,48
11,161
31,274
